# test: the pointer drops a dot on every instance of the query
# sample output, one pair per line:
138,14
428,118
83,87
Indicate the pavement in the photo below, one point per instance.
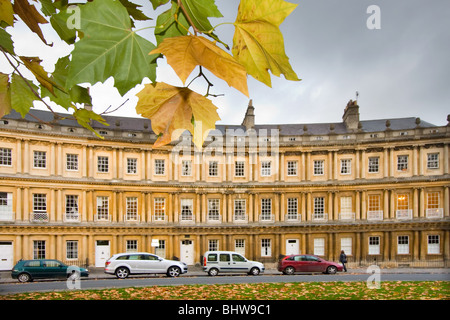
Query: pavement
194,271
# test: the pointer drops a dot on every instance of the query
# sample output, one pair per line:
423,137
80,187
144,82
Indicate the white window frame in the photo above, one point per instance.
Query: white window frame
102,209
402,162
239,168
71,249
213,245
159,209
71,162
187,210
102,164
374,164
318,166
433,161
39,249
131,165
292,168
403,244
240,206
132,205
346,166
213,168
319,246
374,245
131,245
186,168
266,168
213,210
433,244
347,245
292,209
266,247
39,159
5,157
319,208
266,209
72,208
160,167
6,206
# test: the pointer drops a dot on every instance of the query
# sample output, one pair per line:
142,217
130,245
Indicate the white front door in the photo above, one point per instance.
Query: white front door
102,252
292,246
6,255
187,252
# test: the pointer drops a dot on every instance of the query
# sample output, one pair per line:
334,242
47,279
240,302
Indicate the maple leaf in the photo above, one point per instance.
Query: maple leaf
171,110
258,42
30,16
5,95
110,48
34,65
184,53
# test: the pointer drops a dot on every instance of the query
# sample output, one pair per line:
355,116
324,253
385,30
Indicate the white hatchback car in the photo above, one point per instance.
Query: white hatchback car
228,261
124,264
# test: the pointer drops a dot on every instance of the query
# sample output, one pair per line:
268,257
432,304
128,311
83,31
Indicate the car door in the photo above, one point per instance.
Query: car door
153,264
300,263
315,264
225,262
239,263
54,269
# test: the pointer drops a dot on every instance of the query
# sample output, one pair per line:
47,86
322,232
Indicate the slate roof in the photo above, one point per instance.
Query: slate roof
142,124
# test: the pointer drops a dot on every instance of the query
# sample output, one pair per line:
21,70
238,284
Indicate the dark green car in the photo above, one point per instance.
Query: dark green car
28,270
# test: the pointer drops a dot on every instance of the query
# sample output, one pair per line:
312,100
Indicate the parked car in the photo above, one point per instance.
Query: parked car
307,263
28,270
228,261
124,264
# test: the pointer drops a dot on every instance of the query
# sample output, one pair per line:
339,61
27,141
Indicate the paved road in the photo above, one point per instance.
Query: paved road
10,288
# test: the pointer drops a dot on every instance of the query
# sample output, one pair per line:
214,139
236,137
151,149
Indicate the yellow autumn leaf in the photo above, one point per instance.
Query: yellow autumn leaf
34,65
171,109
258,42
184,53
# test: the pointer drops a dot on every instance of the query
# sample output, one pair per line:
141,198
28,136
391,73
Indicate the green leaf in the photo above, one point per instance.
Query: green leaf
84,118
133,10
6,41
157,3
168,27
110,48
21,95
5,95
199,11
65,98
59,23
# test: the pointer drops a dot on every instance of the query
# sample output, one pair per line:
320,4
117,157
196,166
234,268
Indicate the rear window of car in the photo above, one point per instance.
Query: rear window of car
212,257
36,263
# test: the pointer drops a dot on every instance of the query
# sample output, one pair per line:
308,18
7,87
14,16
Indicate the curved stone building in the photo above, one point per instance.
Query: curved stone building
377,189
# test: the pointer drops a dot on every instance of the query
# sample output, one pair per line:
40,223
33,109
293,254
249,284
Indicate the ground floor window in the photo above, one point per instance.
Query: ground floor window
433,244
132,246
346,245
266,248
213,245
38,249
319,246
160,250
71,250
374,245
239,246
403,245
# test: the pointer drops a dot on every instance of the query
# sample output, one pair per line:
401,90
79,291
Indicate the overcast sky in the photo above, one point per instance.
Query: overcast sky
400,70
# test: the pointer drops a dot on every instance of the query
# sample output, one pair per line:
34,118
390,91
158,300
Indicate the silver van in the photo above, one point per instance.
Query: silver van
215,262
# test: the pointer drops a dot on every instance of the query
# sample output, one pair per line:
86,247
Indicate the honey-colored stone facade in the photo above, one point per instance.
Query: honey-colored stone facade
379,191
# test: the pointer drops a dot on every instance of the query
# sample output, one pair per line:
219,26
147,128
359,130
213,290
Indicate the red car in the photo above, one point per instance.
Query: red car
307,263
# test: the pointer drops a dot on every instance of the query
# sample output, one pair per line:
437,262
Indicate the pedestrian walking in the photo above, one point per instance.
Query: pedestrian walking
343,260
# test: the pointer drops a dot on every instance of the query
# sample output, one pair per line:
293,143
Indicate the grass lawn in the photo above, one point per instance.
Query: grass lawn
399,290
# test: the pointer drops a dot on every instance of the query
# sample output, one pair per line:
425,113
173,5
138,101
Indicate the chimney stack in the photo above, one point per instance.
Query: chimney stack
351,115
249,119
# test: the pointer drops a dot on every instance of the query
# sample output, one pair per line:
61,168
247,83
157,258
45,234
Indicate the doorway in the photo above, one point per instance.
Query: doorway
102,252
187,252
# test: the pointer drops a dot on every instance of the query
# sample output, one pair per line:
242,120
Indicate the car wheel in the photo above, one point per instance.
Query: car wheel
213,272
173,272
24,277
254,271
122,272
331,270
289,270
